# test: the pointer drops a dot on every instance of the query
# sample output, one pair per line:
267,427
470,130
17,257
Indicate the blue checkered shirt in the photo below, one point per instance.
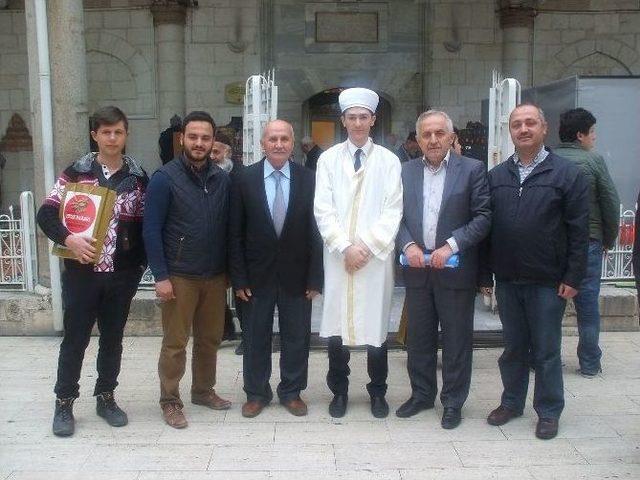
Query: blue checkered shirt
525,170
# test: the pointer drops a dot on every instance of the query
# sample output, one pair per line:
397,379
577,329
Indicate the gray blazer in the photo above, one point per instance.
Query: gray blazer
464,214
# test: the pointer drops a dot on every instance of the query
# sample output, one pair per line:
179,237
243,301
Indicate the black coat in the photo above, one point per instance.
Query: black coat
540,229
312,157
257,256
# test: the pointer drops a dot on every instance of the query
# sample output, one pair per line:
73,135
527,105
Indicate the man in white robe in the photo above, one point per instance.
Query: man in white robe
358,207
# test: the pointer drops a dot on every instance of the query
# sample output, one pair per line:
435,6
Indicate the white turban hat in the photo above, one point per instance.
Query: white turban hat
358,97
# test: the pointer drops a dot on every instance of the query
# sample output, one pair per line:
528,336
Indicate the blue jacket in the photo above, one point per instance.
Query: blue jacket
540,229
185,221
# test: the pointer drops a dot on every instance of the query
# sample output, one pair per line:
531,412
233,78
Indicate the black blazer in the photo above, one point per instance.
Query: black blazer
257,257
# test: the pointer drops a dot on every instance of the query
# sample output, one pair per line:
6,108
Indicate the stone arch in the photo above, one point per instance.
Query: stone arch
596,63
322,108
605,51
131,58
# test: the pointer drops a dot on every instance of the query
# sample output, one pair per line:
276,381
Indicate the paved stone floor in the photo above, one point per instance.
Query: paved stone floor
599,433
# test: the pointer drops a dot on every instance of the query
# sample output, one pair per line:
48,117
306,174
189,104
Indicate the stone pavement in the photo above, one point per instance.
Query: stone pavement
599,431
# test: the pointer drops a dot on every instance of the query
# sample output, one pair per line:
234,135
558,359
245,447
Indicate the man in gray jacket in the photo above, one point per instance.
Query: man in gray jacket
446,212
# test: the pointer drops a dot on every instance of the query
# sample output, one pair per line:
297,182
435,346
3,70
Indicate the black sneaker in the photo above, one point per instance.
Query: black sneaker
107,408
63,421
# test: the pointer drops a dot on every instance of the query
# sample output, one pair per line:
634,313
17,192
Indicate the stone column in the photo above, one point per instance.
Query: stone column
169,20
68,80
516,20
39,188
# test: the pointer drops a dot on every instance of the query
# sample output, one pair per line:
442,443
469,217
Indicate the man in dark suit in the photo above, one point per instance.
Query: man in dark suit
311,151
276,259
446,212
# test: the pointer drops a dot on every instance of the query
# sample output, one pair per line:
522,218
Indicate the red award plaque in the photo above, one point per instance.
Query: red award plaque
86,210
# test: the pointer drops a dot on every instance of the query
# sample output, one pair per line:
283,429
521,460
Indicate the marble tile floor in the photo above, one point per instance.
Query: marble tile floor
599,431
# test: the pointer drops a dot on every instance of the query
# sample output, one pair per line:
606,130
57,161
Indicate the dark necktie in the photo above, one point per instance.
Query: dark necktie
357,164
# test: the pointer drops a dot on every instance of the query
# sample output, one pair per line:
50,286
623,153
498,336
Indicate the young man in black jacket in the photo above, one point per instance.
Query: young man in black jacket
98,287
185,233
538,253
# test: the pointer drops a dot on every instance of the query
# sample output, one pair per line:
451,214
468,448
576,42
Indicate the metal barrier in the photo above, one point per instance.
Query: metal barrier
616,263
18,255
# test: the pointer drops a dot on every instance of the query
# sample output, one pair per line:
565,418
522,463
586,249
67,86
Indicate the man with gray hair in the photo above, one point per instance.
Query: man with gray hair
446,212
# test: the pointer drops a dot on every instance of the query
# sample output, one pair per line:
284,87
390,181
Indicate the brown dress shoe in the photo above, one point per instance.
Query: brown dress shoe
296,407
547,428
172,413
213,401
252,409
501,415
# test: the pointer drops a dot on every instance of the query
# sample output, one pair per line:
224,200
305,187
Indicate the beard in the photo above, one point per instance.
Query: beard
197,158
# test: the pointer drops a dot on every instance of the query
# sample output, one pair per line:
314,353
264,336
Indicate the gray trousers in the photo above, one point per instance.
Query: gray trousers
452,309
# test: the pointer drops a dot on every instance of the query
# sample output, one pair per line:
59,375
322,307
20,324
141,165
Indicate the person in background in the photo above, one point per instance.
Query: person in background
221,156
409,149
312,152
456,146
391,142
577,133
166,140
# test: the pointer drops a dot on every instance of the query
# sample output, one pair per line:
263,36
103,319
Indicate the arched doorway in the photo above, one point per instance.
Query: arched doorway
321,114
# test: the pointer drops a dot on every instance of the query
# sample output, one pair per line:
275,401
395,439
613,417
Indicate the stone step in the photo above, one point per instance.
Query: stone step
24,313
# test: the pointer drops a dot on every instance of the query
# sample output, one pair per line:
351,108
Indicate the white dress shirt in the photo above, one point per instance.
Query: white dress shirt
432,190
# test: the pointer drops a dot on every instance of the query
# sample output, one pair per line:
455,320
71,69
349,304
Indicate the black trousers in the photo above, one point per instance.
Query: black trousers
452,309
89,296
338,374
294,320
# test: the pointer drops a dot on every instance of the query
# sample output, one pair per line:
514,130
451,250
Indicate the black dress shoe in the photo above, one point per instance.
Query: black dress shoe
451,418
379,407
547,428
338,406
412,407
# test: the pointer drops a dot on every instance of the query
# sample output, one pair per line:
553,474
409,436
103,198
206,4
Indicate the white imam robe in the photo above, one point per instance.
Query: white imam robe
351,206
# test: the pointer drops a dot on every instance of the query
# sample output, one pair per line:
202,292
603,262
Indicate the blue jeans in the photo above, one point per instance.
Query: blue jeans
531,317
587,311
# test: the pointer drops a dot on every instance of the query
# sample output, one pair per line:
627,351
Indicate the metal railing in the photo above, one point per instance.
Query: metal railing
617,262
18,255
